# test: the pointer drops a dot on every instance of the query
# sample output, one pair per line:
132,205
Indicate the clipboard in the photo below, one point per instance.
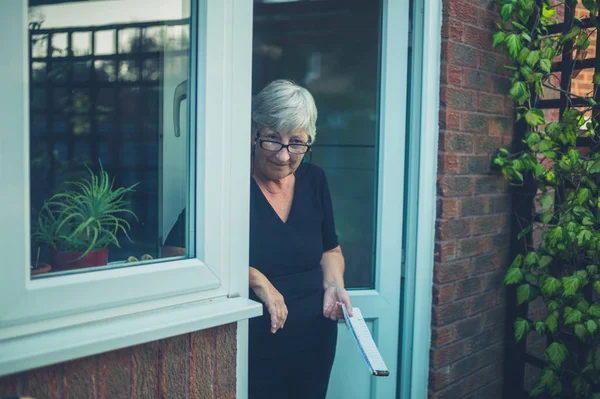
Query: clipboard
364,342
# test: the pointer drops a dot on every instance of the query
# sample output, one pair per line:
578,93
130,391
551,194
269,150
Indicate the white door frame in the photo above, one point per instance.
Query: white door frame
421,199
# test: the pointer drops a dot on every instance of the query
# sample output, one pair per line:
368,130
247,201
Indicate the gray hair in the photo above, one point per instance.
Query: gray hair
284,107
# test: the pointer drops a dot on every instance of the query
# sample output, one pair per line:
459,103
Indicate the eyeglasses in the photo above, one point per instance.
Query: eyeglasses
276,146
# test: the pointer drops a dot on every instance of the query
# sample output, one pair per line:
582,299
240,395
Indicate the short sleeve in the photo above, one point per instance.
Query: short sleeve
330,239
176,237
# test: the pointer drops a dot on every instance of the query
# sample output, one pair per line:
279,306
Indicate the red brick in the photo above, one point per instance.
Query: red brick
451,142
484,376
12,385
462,11
449,313
487,144
80,379
449,119
454,228
491,103
174,366
452,74
485,224
458,99
114,375
441,336
203,363
474,164
445,251
443,293
451,392
491,391
467,328
471,364
494,317
450,271
490,184
453,30
448,163
482,302
474,122
474,206
226,348
477,37
44,383
469,286
489,262
145,370
448,354
468,247
447,208
455,185
501,126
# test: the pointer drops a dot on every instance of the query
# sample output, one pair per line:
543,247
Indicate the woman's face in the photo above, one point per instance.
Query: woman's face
278,165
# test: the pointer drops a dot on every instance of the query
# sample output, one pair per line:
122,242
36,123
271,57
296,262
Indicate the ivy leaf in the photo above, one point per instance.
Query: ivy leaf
513,43
571,285
534,117
531,258
523,293
506,12
591,326
583,194
540,327
547,12
518,261
550,286
574,316
571,34
539,169
596,79
597,286
521,328
544,261
555,235
552,321
594,310
580,331
532,58
595,167
592,269
583,237
557,353
545,65
513,276
578,384
546,201
498,38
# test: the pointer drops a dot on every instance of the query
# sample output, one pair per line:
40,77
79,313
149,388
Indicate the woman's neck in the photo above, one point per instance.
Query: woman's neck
275,187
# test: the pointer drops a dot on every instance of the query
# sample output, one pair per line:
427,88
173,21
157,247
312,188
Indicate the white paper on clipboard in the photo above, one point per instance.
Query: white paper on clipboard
364,342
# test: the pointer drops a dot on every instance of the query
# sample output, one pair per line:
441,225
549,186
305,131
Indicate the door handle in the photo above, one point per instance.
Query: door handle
181,93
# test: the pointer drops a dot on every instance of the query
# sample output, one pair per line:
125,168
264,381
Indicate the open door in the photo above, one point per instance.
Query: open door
355,64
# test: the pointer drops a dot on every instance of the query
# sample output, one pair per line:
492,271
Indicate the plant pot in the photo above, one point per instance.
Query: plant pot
66,260
40,268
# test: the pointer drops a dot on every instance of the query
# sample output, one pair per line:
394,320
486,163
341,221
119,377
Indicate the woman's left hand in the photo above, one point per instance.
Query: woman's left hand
333,299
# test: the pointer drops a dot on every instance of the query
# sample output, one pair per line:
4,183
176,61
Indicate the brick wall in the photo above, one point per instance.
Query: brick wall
473,221
198,365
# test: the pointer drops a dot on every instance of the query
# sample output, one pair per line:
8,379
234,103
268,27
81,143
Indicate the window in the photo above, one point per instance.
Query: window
152,100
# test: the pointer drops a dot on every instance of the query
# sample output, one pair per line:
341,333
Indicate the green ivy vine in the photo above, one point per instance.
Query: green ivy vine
563,268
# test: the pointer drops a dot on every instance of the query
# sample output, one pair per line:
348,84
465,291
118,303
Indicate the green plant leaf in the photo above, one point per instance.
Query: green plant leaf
591,326
556,354
540,327
523,293
513,44
498,38
546,201
552,321
580,331
547,12
597,286
544,261
571,285
594,167
522,328
574,316
513,276
533,58
532,258
534,117
594,310
550,286
506,11
546,65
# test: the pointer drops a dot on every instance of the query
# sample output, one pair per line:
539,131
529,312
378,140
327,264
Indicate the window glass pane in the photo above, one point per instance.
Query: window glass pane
108,111
332,48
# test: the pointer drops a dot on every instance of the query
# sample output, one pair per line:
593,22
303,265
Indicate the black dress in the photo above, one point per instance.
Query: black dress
296,361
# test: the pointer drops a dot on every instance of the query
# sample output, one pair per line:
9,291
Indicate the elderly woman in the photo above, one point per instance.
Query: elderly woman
296,264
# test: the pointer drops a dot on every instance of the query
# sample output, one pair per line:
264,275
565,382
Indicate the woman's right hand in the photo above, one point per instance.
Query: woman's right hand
273,300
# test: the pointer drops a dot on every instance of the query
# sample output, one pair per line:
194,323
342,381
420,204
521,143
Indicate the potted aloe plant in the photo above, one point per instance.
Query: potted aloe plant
80,223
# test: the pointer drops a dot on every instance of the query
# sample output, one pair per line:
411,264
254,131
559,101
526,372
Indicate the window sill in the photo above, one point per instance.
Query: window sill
69,343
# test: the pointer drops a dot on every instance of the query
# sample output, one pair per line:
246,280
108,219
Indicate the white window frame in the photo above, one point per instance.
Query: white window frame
44,321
